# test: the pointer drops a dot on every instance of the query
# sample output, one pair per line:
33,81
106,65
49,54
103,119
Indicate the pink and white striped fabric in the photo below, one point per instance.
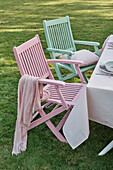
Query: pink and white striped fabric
29,100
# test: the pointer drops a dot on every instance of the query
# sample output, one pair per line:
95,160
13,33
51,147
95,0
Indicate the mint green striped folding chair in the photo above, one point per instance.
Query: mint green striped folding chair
61,43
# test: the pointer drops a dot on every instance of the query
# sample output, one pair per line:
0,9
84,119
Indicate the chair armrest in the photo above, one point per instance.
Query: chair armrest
60,51
65,61
52,82
95,44
87,43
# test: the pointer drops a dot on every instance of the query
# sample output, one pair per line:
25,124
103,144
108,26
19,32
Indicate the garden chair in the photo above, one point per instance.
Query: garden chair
31,60
60,41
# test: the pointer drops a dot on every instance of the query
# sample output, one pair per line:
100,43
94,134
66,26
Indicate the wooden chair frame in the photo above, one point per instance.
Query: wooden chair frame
31,60
60,41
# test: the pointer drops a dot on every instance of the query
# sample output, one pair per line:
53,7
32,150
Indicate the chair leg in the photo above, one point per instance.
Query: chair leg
61,78
58,71
46,118
53,128
85,77
59,126
68,77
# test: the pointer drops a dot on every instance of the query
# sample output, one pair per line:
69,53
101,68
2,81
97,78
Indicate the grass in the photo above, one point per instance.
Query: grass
91,20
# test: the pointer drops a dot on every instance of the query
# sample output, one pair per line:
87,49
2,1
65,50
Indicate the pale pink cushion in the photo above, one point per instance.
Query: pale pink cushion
86,56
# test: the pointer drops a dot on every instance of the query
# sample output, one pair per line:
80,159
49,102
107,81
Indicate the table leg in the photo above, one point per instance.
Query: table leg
106,149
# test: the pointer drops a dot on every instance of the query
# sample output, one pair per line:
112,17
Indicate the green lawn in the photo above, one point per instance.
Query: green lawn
20,20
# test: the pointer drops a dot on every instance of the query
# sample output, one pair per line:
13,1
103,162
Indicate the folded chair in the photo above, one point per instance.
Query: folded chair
31,60
60,41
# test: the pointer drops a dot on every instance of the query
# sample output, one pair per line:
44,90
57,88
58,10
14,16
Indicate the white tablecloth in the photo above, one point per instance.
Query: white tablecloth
100,92
76,127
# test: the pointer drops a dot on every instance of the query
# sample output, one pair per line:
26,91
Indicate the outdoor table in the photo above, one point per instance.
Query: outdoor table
99,98
100,94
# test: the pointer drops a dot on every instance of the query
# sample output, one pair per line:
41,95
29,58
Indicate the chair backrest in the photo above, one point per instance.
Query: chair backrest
59,35
31,59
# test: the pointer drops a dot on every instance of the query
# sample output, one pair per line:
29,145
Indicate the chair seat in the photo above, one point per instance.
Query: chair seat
86,56
70,92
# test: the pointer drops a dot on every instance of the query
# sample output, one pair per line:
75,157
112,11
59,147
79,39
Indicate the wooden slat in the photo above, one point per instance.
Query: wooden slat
32,59
70,92
56,21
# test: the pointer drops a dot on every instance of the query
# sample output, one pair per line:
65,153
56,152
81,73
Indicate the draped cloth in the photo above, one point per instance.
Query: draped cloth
30,95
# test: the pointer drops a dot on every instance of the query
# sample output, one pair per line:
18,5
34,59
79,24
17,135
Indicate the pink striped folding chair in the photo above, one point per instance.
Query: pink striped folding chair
31,60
